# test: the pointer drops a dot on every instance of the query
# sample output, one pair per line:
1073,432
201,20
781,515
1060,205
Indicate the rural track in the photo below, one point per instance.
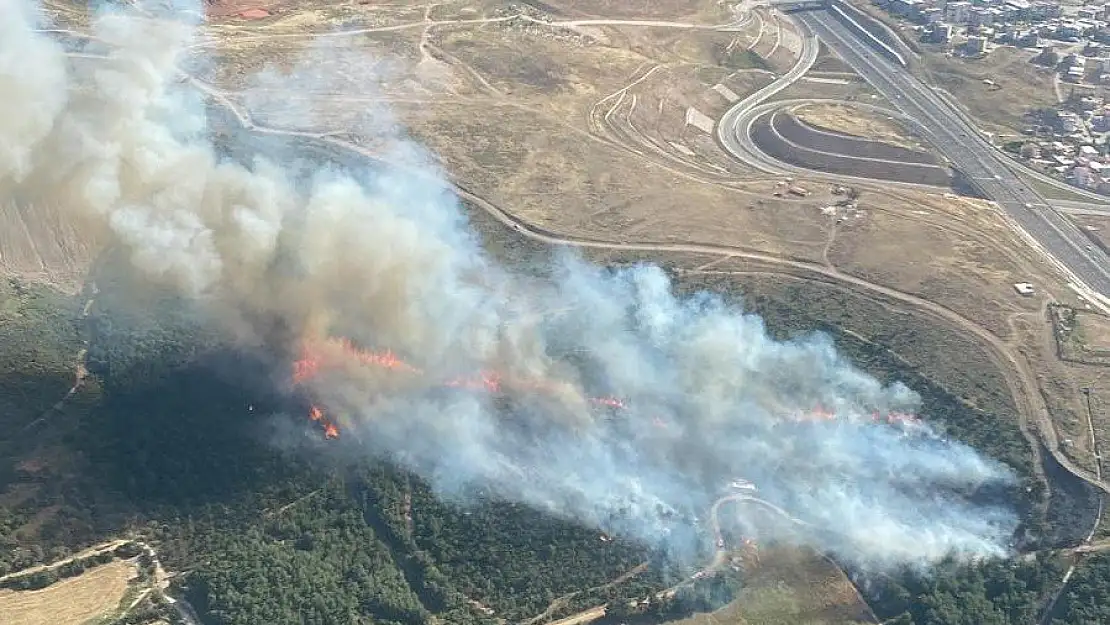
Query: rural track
735,138
718,560
161,579
81,371
1027,393
561,600
568,24
1026,396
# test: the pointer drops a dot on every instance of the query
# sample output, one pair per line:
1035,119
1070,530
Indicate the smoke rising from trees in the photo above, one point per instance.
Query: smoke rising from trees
387,260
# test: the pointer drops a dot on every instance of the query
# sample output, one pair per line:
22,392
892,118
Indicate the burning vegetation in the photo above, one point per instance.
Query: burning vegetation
318,356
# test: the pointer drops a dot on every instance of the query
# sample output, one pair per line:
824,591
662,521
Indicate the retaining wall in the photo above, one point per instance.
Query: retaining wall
797,131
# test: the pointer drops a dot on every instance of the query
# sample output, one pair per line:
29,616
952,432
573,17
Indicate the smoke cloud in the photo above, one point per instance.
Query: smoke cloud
387,260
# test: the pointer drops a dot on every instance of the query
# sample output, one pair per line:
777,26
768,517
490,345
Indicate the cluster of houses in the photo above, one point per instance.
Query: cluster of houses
1021,23
979,13
1072,144
1092,65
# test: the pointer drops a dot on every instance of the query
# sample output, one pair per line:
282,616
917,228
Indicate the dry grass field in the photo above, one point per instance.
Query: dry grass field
1021,85
74,601
791,586
40,243
1097,227
858,122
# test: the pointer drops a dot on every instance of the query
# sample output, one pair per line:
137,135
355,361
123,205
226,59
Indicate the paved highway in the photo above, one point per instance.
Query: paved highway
735,130
729,127
968,151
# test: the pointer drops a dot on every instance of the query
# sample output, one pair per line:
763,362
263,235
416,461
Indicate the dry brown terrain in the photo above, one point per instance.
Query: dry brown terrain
38,242
72,601
1094,332
1097,227
857,122
1021,86
604,132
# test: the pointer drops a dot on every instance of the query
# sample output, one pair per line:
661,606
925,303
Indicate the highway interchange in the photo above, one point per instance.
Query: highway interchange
947,129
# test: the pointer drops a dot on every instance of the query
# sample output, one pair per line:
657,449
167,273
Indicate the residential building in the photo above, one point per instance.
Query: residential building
957,12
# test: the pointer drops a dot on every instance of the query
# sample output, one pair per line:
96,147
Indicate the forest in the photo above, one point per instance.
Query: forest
183,442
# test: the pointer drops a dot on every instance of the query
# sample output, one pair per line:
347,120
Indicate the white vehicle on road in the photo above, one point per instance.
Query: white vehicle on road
741,484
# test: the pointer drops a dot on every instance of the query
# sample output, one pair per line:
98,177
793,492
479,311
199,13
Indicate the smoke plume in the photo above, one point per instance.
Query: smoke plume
386,260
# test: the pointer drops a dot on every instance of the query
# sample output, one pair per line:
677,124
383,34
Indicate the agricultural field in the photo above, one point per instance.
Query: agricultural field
75,601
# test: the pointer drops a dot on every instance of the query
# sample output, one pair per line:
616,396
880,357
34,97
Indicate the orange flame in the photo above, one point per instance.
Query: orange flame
612,402
315,358
305,368
331,430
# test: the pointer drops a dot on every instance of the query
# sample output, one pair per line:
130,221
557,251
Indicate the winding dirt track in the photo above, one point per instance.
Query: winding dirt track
1020,377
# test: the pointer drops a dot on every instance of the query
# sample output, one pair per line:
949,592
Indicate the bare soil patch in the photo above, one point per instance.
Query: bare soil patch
853,91
244,9
654,9
828,61
557,180
1096,332
1082,337
858,122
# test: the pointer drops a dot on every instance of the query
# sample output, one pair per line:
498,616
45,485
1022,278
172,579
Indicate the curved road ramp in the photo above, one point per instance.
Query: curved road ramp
783,136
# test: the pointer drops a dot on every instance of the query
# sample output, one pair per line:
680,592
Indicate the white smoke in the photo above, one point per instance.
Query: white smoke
387,260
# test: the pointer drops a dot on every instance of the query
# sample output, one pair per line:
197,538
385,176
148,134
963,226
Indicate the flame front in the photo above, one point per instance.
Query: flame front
314,358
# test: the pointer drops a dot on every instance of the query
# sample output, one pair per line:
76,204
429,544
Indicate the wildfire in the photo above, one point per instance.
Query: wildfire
305,368
331,430
317,355
489,381
611,402
819,413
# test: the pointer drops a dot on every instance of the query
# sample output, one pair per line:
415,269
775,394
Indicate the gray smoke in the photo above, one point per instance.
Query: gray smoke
387,259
